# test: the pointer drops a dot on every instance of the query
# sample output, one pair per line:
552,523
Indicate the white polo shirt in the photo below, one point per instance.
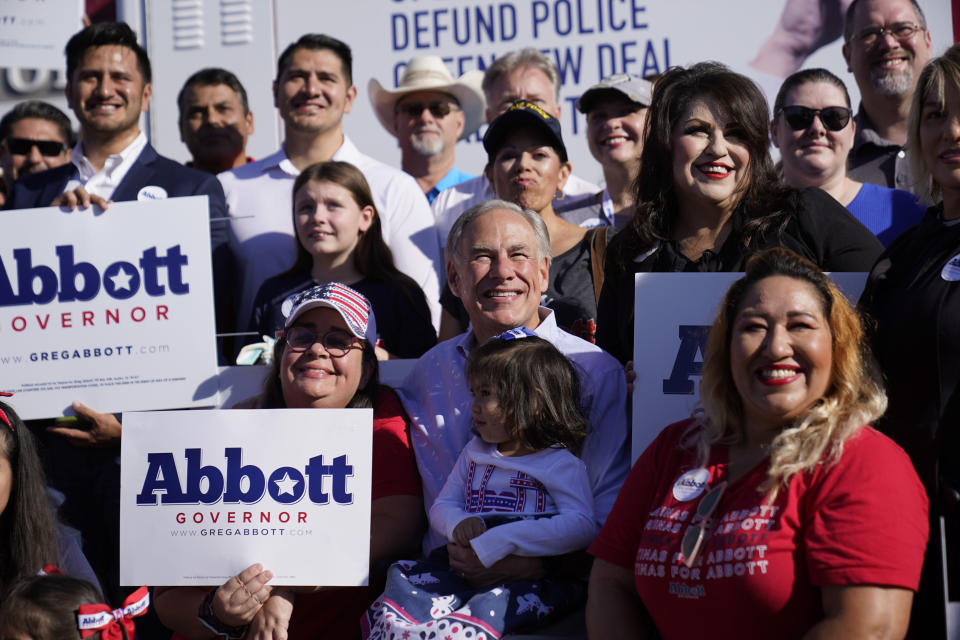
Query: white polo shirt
260,204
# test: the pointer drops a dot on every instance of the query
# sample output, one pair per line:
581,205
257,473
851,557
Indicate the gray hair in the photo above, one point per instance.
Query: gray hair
455,237
931,86
852,10
528,57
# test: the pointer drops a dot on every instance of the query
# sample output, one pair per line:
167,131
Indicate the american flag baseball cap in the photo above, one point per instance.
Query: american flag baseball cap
352,306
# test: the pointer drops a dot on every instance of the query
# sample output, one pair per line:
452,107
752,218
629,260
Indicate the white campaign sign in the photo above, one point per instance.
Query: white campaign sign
205,494
673,313
34,32
113,308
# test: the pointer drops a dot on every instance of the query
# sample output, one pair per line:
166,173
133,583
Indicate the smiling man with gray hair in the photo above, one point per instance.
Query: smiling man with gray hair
498,263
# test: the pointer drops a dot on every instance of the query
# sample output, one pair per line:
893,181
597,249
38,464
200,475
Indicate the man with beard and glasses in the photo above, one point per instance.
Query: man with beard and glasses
427,113
34,136
886,44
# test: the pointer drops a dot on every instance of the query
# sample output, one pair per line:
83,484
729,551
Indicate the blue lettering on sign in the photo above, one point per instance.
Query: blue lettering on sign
120,280
693,340
623,58
207,484
430,29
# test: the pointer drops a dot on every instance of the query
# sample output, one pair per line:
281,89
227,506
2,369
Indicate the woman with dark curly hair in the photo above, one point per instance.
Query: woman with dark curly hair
775,511
708,197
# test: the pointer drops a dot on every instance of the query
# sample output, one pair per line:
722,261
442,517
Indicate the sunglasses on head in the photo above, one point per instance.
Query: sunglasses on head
696,534
799,118
438,109
22,146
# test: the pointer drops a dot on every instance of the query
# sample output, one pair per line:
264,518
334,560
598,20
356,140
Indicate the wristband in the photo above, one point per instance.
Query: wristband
210,620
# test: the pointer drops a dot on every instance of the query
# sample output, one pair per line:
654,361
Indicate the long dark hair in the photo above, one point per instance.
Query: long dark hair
27,525
45,607
765,200
537,388
364,398
372,257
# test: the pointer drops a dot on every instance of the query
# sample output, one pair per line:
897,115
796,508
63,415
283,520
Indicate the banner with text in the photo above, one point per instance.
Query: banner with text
205,494
34,32
669,340
113,308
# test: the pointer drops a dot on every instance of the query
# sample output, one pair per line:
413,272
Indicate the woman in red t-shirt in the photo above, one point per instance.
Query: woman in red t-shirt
325,359
773,512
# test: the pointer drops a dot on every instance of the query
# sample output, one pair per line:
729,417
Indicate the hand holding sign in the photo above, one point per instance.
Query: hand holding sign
104,430
273,619
80,197
238,600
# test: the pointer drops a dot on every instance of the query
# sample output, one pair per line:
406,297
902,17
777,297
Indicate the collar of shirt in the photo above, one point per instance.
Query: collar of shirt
547,329
347,152
104,182
453,178
867,134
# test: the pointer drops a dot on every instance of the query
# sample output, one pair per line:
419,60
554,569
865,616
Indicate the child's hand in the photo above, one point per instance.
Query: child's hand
238,600
467,530
273,618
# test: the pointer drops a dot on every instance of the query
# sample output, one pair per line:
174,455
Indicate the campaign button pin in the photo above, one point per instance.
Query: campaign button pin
152,192
951,270
691,484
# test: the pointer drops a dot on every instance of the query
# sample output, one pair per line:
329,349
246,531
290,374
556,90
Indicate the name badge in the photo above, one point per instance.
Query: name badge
951,270
152,192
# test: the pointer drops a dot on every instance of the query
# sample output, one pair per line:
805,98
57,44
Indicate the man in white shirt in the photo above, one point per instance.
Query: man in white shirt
528,75
313,90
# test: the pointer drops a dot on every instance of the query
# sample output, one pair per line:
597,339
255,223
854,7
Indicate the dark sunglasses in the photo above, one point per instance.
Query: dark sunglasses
336,342
439,109
799,118
696,534
22,146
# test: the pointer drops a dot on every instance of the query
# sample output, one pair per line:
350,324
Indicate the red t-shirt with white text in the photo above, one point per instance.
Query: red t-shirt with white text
862,520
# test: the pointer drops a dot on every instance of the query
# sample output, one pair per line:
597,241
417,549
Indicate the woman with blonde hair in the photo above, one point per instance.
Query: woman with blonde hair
775,510
913,297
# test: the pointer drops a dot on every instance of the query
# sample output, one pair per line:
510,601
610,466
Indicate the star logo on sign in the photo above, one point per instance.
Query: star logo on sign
286,484
121,280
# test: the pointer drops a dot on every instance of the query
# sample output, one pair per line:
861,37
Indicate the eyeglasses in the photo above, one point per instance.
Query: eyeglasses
439,109
336,341
22,146
901,31
799,118
695,534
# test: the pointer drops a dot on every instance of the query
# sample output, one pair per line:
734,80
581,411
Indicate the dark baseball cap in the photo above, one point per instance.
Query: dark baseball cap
523,115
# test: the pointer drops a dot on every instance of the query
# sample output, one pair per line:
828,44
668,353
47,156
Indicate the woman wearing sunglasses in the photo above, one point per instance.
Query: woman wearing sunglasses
773,512
325,359
708,197
913,296
814,131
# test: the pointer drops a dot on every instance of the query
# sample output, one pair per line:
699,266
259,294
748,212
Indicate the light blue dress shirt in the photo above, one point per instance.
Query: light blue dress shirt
437,398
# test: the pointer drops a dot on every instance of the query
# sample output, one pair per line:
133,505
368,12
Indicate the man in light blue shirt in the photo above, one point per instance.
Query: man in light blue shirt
427,113
497,261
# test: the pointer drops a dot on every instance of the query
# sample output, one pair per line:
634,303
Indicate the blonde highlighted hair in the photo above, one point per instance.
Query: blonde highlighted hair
931,87
854,397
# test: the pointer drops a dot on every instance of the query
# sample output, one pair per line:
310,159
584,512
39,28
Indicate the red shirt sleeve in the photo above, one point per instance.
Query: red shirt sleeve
867,517
619,538
394,465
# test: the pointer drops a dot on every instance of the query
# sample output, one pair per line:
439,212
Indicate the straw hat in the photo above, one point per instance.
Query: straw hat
428,73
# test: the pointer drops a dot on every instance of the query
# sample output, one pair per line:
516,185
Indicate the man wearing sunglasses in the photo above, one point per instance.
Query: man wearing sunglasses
427,113
886,44
34,136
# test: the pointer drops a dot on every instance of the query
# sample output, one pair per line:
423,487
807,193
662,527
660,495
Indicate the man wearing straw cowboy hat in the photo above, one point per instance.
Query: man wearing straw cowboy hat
427,113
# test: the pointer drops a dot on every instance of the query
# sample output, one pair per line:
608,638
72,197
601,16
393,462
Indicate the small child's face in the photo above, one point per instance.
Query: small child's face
6,479
487,416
